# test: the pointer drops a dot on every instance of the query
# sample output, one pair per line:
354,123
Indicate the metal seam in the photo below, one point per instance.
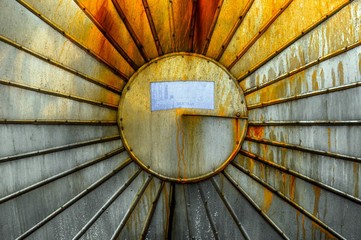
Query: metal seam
60,65
74,200
304,95
234,29
289,201
58,94
73,40
58,122
258,35
58,148
303,68
131,208
300,176
230,209
106,205
151,212
61,175
304,149
286,45
306,123
115,44
255,206
131,31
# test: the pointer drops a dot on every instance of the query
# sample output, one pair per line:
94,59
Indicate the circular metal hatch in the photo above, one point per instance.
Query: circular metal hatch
183,117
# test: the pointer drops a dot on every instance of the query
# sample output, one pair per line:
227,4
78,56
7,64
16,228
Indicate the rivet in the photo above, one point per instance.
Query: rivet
128,88
238,114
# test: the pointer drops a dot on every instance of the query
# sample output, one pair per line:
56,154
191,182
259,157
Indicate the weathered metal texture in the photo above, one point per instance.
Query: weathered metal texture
65,173
194,143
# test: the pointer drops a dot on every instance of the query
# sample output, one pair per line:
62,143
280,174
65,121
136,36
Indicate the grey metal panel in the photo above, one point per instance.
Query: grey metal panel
23,212
38,168
84,209
293,223
337,212
253,222
25,28
21,67
180,227
135,224
106,225
337,173
223,222
343,105
159,223
23,104
16,139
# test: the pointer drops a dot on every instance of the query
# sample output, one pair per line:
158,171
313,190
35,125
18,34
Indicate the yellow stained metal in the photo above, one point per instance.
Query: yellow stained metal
161,13
105,13
182,144
68,16
258,15
300,14
182,14
137,17
228,17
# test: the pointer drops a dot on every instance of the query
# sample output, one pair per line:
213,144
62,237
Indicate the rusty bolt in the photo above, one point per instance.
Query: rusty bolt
238,114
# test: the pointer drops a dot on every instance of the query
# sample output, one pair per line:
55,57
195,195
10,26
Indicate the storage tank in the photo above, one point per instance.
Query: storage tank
180,119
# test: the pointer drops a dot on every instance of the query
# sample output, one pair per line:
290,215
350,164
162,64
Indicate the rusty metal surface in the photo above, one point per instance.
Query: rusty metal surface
66,175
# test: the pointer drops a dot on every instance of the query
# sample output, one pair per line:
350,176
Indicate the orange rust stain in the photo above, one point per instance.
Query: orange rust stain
298,224
251,165
292,187
341,73
314,81
182,13
317,192
356,168
329,138
267,200
205,12
316,227
333,78
256,132
303,227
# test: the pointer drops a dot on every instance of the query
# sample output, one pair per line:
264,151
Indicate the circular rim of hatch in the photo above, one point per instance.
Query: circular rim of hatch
149,169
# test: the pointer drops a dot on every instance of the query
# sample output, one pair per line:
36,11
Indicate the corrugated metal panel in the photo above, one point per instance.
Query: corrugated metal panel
65,173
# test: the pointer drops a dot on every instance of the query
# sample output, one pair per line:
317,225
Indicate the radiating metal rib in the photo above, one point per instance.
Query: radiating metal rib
58,94
131,208
187,209
213,26
234,29
59,148
230,209
171,212
306,123
73,39
255,206
209,217
289,201
59,122
305,95
295,39
106,205
301,176
60,65
151,212
130,30
112,41
61,175
304,149
74,200
262,30
172,25
152,27
302,68
192,26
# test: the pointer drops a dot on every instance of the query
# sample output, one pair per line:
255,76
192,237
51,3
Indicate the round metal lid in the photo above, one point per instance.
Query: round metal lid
182,117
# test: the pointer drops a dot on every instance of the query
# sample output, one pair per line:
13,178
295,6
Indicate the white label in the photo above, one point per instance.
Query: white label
182,94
